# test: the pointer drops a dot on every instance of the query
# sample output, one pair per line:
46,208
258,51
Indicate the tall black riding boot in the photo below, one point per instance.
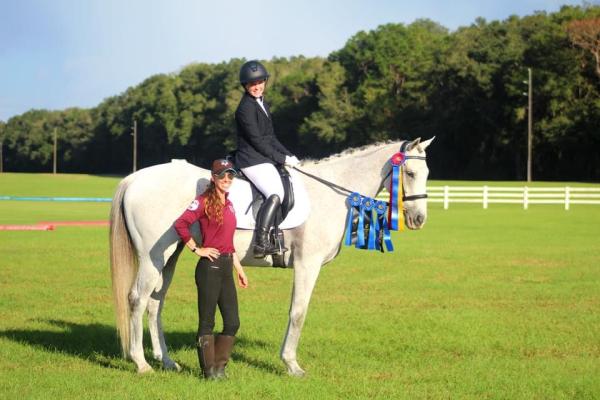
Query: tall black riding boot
206,355
264,222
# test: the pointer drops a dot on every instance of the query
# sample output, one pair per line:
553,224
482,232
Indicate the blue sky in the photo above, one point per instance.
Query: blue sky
56,54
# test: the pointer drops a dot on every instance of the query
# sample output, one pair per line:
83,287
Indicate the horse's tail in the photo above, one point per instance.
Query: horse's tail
123,263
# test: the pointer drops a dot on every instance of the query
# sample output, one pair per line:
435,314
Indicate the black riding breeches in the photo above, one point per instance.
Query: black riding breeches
216,286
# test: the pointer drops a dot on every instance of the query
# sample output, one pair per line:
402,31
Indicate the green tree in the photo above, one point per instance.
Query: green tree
292,95
480,112
387,74
566,110
330,122
398,80
30,140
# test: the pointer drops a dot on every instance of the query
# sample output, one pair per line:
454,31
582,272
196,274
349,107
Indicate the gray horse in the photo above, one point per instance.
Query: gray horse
144,246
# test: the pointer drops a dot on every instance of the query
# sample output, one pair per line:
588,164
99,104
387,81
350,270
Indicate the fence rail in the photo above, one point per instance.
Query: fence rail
513,195
485,195
46,198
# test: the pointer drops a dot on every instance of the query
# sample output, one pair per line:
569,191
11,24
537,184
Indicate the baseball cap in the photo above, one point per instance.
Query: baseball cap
220,166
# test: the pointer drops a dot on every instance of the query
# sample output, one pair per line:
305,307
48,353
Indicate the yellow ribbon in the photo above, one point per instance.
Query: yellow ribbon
400,201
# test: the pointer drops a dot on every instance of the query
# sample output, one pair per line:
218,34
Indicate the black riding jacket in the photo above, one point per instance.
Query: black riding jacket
256,140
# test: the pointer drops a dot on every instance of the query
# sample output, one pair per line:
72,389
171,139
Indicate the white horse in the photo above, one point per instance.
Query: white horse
145,247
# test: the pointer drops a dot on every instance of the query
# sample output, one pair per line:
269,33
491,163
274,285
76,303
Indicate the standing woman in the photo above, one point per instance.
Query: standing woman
214,271
259,151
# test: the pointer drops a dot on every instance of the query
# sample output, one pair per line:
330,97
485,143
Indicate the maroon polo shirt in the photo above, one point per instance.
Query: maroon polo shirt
213,235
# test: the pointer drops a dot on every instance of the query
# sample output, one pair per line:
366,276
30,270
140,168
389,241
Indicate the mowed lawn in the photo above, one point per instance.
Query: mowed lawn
502,303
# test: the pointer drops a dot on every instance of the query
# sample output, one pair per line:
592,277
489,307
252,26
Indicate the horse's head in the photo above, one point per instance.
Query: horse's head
414,182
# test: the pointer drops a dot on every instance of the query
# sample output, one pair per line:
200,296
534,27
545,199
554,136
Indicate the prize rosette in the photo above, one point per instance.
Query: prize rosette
398,159
354,201
382,224
365,215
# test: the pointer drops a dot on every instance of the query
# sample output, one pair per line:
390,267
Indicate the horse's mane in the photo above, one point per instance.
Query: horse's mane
349,151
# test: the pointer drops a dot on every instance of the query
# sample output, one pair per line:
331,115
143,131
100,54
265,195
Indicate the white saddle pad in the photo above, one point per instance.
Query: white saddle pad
240,194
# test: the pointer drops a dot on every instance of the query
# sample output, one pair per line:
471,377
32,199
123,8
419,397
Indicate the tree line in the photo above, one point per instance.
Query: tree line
466,87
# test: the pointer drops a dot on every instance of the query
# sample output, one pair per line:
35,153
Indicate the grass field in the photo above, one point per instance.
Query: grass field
501,303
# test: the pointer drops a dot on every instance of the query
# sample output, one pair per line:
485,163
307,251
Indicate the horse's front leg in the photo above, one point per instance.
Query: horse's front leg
155,306
305,277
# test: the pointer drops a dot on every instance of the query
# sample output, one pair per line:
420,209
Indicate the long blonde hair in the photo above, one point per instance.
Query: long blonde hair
213,207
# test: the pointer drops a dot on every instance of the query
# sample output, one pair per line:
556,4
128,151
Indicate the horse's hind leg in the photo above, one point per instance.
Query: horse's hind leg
305,277
146,281
155,306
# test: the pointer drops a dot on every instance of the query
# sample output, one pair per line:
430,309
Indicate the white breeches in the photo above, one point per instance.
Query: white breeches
266,178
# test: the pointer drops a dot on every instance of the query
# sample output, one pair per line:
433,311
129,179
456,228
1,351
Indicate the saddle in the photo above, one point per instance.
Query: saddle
258,198
294,210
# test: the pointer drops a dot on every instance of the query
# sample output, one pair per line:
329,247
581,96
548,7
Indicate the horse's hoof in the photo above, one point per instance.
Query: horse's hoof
145,369
172,366
298,373
295,370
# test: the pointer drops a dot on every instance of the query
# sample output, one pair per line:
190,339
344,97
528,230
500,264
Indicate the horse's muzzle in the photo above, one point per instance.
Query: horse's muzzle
415,221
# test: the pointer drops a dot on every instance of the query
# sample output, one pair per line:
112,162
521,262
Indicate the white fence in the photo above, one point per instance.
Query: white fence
516,195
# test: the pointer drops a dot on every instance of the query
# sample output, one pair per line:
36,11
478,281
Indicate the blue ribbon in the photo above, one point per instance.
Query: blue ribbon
376,211
383,224
374,243
368,205
354,200
360,230
394,197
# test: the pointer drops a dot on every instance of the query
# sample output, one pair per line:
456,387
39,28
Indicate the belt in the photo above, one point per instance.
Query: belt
222,255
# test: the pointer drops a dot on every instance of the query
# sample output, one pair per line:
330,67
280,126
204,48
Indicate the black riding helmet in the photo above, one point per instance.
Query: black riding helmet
253,71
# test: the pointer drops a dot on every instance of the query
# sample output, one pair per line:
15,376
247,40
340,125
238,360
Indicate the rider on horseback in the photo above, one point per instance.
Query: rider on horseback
259,151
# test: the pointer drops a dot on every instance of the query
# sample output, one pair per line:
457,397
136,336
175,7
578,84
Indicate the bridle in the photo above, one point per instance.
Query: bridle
412,196
348,191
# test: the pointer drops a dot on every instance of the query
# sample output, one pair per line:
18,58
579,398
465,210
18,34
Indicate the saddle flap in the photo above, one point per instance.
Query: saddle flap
258,198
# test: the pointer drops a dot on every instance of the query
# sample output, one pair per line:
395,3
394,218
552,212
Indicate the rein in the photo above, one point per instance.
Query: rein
325,181
343,189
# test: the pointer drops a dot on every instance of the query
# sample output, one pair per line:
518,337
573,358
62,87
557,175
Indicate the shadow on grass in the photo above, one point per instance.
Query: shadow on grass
99,344
239,356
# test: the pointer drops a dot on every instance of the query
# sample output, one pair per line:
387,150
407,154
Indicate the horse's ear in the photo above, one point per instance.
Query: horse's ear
423,145
412,144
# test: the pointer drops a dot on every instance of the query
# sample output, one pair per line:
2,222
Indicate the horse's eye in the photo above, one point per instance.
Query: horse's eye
410,174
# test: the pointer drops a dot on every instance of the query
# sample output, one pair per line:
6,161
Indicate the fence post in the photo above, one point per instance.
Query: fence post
446,199
525,198
567,195
485,197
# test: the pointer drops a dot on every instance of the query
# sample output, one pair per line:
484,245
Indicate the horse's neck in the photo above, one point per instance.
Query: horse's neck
360,171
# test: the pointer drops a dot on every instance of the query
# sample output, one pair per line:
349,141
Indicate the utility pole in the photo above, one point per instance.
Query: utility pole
54,158
134,133
529,127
